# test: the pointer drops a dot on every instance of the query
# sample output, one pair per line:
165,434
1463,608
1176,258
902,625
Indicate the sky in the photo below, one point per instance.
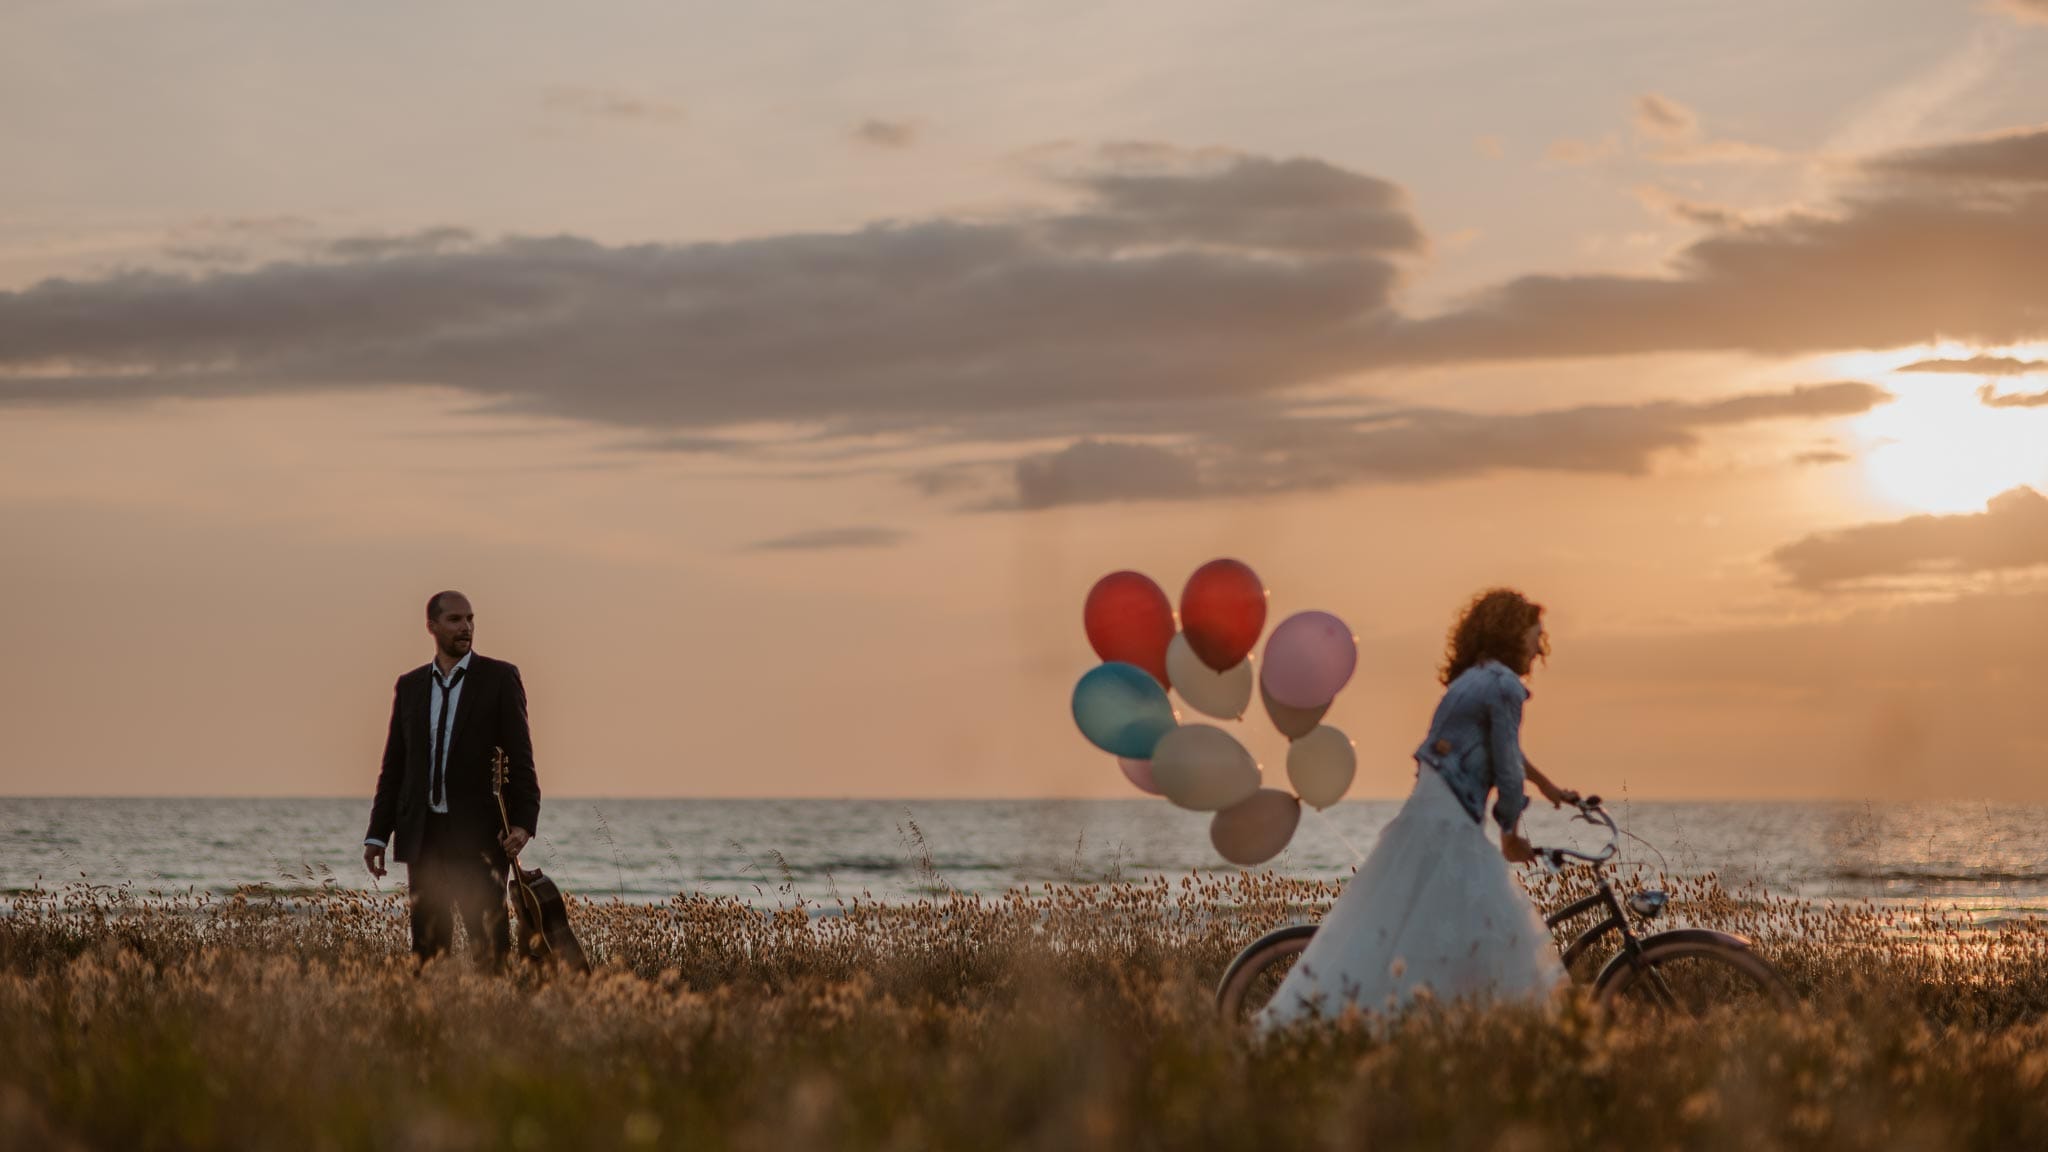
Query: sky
777,378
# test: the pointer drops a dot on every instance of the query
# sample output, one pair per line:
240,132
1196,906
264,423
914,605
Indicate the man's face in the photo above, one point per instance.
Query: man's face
454,627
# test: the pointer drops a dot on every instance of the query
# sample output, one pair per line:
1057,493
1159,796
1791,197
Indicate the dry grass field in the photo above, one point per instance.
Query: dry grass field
1062,1019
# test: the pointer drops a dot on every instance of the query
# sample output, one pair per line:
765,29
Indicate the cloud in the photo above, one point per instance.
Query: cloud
887,134
1172,280
1675,137
1665,118
600,104
1100,471
1822,456
1978,366
834,539
240,240
2016,157
1668,203
1407,446
1901,261
1299,207
1989,397
1173,290
427,241
2011,533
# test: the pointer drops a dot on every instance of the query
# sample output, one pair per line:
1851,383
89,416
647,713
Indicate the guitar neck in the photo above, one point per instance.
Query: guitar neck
498,787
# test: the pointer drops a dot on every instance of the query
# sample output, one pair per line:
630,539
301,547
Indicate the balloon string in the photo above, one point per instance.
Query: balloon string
1331,825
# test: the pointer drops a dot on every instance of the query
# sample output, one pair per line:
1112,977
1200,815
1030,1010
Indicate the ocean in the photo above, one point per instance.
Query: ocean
1989,860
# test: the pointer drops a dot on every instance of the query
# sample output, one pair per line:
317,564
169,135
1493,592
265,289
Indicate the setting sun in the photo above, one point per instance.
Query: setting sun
1937,449
1940,447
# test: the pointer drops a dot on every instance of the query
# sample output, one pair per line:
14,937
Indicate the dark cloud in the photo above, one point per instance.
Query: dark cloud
834,539
889,134
2012,532
2019,157
1407,446
1978,366
1255,204
1925,249
1822,456
1883,273
1176,290
1165,286
1099,471
1661,116
684,444
1989,397
597,103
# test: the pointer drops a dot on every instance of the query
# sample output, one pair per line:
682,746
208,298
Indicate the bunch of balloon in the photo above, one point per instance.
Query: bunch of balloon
1122,706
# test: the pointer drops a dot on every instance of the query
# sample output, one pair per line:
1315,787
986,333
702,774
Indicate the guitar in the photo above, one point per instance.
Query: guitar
544,933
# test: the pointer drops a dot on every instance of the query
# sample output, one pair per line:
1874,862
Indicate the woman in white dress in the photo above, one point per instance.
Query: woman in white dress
1434,904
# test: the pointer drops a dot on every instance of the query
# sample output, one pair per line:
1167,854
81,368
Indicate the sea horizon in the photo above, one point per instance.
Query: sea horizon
1986,858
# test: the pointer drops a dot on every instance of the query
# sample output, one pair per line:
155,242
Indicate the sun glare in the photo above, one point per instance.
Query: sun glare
1940,448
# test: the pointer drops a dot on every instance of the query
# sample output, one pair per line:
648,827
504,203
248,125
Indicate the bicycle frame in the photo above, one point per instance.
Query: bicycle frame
1617,920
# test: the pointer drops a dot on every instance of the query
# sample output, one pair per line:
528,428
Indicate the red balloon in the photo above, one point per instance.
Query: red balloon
1222,611
1130,619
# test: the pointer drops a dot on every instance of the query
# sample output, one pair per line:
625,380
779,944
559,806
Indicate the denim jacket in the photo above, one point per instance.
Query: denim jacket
1474,741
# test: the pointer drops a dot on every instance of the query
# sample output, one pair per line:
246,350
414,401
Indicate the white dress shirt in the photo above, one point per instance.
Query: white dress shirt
446,735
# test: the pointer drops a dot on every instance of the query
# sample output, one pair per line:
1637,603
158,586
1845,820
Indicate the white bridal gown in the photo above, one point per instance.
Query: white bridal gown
1433,905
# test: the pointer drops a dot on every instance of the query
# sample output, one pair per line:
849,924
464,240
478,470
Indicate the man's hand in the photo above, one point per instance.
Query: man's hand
373,859
1516,848
514,840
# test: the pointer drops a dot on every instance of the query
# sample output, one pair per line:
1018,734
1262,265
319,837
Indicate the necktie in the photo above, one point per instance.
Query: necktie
439,776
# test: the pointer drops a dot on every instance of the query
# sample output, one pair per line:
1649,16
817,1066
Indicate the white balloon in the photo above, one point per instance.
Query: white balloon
1224,695
1202,767
1320,765
1257,828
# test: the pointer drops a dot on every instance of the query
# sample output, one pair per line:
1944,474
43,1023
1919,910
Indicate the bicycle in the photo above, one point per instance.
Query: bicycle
1680,969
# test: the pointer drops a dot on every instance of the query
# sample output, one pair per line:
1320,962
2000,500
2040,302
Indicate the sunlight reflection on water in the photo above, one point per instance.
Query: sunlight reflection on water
1990,859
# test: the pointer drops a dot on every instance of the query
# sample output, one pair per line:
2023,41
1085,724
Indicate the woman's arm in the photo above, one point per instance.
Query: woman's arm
1550,790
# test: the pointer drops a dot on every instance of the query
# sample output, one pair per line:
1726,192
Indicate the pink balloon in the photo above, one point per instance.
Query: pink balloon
1139,773
1309,657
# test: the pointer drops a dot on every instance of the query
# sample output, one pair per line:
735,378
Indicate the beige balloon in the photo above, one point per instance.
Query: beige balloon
1321,765
1224,695
1257,828
1204,768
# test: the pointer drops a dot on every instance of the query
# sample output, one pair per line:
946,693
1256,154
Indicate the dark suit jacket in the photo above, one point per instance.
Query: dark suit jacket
490,713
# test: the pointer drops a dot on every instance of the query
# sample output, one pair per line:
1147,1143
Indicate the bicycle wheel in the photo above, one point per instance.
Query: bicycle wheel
1693,974
1255,975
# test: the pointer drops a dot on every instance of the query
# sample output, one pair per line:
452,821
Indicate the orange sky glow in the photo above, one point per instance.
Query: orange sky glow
777,406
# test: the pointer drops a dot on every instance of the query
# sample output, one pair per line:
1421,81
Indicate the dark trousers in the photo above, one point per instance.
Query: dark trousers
457,874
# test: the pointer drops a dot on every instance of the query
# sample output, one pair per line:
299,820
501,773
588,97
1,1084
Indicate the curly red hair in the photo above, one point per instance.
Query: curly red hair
1491,628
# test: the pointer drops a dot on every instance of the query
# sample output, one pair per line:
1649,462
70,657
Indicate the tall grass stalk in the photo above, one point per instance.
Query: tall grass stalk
1072,1017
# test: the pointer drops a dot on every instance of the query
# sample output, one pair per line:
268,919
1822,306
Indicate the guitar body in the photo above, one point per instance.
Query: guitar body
544,932
543,916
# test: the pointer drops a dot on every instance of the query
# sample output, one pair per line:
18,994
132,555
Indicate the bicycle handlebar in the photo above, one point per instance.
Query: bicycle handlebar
1590,812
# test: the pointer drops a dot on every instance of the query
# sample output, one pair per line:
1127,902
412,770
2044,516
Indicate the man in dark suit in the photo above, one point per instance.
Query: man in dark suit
434,806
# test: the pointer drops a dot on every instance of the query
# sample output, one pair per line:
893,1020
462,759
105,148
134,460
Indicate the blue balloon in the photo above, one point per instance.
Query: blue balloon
1122,710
